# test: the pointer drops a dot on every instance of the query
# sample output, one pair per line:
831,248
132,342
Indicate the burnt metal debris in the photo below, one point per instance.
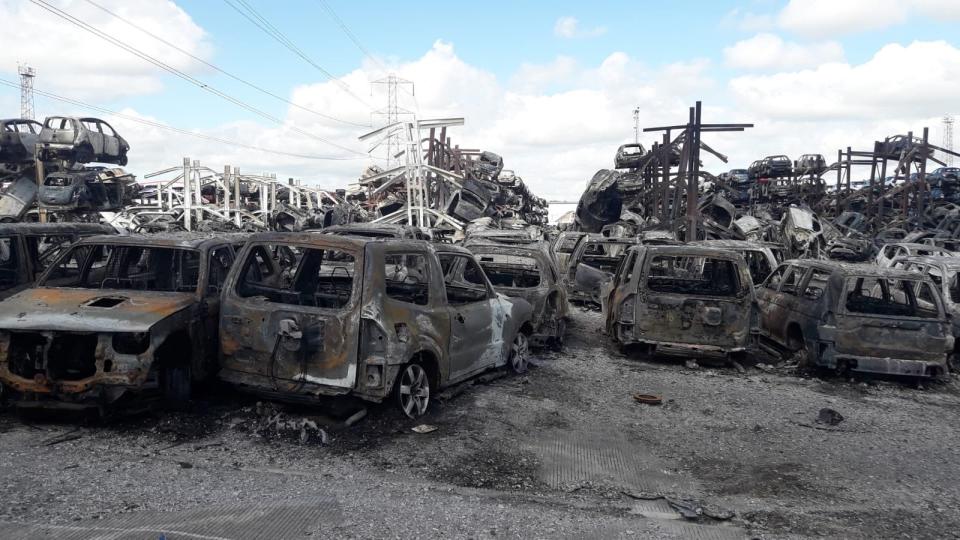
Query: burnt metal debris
441,265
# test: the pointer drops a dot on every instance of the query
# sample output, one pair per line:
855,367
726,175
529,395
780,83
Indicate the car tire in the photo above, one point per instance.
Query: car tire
519,352
411,392
84,154
175,384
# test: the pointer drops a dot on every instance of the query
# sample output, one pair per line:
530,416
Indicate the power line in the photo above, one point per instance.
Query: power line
343,26
166,67
216,68
263,24
178,130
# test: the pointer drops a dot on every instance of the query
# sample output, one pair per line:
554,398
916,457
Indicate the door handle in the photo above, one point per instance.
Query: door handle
459,318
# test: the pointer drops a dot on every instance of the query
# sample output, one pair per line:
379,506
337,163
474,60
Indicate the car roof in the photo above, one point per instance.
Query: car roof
731,244
944,261
689,249
914,245
851,269
55,228
187,240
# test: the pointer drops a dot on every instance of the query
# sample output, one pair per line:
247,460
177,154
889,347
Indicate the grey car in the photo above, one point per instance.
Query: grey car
81,140
18,137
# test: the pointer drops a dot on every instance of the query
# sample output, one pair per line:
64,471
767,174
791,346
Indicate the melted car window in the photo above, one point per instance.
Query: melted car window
140,268
463,279
693,275
406,278
285,274
887,296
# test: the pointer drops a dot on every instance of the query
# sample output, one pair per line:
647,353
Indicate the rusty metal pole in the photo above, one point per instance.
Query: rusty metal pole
849,159
38,170
691,142
883,181
922,178
665,176
839,178
873,180
236,193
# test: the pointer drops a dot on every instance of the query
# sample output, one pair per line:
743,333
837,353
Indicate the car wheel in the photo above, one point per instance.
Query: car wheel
175,382
83,155
519,350
412,391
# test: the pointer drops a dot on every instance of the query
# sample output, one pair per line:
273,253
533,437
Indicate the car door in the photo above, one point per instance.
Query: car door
771,311
474,332
111,144
94,137
218,265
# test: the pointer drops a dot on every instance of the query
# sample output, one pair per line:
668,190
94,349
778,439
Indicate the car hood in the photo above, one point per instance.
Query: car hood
64,309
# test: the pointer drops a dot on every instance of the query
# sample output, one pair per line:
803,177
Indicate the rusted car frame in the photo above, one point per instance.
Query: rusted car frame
307,315
116,316
856,317
592,263
81,140
18,137
529,273
27,249
683,300
760,257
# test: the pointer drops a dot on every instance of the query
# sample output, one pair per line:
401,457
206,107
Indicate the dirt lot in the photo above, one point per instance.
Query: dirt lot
563,451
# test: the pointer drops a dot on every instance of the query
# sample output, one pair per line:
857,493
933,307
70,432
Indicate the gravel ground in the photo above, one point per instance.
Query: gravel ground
563,451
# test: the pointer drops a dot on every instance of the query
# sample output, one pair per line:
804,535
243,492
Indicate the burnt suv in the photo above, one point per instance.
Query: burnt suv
116,316
682,300
307,315
81,140
856,317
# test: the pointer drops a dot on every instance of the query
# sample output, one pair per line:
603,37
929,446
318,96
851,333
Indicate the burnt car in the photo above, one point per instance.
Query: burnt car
810,164
529,273
91,189
81,140
629,156
760,257
371,318
942,271
563,246
488,166
682,300
755,170
18,138
899,146
776,166
27,249
856,317
592,263
889,252
114,317
17,198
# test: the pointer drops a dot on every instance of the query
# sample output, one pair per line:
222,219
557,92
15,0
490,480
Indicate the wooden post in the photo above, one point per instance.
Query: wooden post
38,170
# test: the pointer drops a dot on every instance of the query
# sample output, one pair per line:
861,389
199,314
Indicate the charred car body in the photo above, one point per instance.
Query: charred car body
90,189
81,140
592,264
856,317
307,315
18,138
27,249
682,300
116,316
529,273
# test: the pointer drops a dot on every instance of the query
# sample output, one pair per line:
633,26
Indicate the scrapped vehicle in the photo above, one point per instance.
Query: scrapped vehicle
527,236
377,230
563,246
91,189
856,317
17,198
760,258
592,263
755,170
682,300
18,139
777,166
307,315
488,166
810,164
27,249
529,273
115,317
81,140
942,271
802,232
889,252
601,203
629,156
899,146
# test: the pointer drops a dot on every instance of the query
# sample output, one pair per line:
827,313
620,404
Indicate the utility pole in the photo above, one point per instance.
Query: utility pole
947,142
26,90
393,111
636,125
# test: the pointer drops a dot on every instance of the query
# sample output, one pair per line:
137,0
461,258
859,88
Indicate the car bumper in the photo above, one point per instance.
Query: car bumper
626,336
831,358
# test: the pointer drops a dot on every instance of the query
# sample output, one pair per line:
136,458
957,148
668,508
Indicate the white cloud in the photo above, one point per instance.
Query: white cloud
869,90
822,18
769,51
73,61
569,27
535,77
748,21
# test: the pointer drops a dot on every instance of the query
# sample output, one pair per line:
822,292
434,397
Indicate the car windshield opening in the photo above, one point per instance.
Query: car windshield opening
286,274
511,271
697,275
139,268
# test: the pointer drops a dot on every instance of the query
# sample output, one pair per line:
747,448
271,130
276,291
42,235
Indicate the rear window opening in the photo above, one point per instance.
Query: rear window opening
57,181
891,297
704,276
510,270
605,256
285,274
138,268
